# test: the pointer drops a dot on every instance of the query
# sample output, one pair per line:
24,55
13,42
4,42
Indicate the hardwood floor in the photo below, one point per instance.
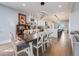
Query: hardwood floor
61,47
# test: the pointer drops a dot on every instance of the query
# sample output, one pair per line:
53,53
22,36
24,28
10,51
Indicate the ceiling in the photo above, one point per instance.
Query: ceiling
61,9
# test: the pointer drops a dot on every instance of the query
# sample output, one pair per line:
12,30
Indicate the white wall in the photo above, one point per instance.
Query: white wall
74,21
8,21
74,18
74,26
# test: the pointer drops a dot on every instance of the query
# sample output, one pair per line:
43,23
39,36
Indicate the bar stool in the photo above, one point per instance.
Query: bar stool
38,42
19,48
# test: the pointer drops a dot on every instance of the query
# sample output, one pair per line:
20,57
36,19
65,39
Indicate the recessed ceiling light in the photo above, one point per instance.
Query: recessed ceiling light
23,4
60,6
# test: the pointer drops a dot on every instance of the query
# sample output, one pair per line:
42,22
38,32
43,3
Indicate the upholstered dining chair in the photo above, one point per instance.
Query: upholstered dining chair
19,46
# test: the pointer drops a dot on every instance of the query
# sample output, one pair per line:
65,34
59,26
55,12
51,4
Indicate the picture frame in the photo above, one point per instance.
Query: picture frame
22,18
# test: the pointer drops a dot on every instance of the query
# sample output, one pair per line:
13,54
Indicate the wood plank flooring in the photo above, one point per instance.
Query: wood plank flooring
61,47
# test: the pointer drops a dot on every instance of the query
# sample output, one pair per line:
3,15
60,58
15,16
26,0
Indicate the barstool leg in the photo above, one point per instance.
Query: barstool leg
37,52
29,53
31,49
42,49
47,44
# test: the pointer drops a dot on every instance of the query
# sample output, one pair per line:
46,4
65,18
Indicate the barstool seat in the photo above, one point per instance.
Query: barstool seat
22,46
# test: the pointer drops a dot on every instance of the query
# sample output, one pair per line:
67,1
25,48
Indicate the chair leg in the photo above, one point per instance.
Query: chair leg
42,49
16,54
28,50
31,49
47,44
37,52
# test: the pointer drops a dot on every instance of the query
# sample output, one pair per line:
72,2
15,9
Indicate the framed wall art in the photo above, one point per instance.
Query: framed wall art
22,18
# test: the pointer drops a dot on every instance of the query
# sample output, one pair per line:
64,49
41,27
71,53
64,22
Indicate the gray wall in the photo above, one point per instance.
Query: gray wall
8,21
74,21
74,18
74,26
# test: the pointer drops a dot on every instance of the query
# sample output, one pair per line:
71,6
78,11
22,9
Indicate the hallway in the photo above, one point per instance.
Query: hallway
61,47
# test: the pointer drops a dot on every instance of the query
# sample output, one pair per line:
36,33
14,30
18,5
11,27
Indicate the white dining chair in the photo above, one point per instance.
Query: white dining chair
15,45
39,42
45,40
